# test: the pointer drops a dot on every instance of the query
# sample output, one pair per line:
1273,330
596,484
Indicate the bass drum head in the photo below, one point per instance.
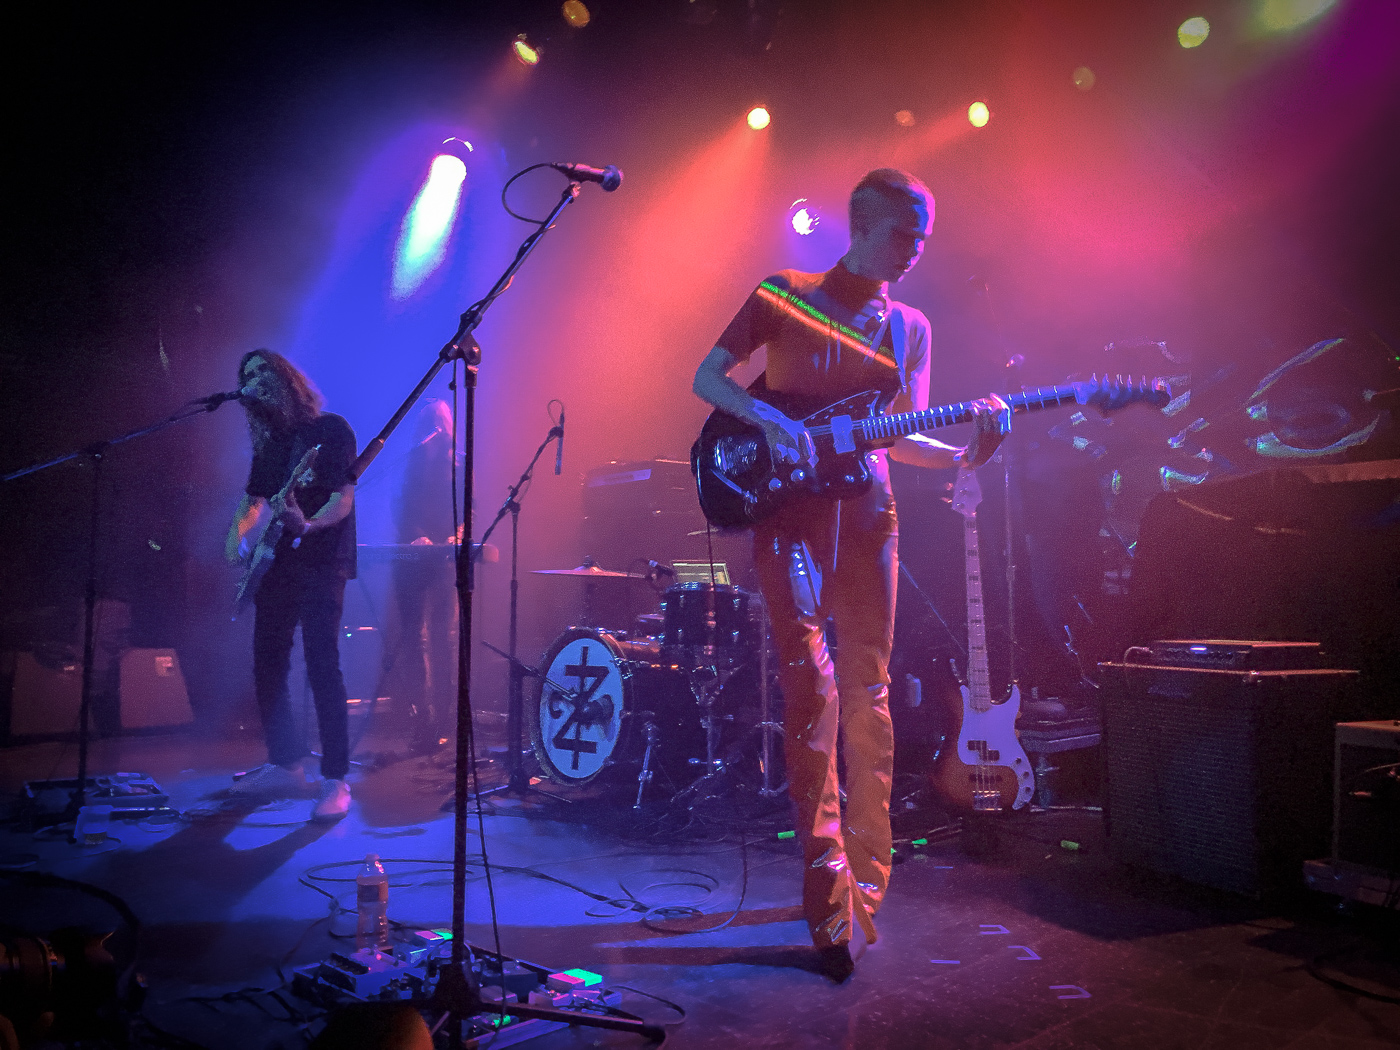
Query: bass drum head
576,723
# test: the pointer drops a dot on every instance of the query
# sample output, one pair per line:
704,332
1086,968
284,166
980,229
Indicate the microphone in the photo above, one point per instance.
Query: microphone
610,178
559,448
213,401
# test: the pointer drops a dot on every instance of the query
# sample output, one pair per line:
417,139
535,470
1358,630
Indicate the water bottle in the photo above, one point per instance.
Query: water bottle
372,898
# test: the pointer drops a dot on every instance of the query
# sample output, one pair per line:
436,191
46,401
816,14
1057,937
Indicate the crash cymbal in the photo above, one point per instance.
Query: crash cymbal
591,572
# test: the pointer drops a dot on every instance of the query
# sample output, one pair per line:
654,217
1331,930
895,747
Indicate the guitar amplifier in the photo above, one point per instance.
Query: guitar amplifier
1367,799
1231,655
1221,777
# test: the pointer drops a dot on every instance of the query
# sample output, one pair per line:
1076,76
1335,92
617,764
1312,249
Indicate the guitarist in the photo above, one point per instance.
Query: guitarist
306,581
829,336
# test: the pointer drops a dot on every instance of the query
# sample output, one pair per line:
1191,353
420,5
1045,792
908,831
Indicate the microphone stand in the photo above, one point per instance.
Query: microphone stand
518,782
97,453
457,992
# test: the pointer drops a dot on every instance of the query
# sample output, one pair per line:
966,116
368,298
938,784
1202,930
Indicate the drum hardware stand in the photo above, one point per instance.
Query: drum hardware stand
457,992
767,727
644,777
706,683
522,670
519,781
97,452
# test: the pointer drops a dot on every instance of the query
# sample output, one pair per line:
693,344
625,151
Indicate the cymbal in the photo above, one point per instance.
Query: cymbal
591,572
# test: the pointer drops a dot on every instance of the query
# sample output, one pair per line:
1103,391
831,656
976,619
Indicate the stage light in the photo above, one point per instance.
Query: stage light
1276,16
525,53
759,118
576,14
904,118
1193,32
803,217
978,114
459,148
424,235
1083,78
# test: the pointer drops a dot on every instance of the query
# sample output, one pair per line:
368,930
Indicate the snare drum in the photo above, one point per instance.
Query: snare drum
594,702
709,623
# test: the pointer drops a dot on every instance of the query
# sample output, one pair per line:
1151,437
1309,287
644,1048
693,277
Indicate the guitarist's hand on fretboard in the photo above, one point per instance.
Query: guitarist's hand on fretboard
990,426
289,513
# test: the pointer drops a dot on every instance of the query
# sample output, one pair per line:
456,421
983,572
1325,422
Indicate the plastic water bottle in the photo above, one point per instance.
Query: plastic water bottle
372,897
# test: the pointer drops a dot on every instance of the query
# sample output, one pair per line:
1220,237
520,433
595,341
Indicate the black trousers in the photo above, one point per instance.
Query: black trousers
292,593
426,593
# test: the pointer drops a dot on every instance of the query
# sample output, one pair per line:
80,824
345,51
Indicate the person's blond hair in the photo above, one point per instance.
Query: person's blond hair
885,186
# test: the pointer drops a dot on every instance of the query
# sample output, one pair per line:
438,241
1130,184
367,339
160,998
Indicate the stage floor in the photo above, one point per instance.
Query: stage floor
1034,946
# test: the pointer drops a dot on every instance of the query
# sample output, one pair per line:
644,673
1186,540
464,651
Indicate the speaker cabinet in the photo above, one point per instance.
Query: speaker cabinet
153,693
1223,778
44,697
1367,802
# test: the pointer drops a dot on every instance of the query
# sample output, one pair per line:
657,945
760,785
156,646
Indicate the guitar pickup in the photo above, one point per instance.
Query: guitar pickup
843,434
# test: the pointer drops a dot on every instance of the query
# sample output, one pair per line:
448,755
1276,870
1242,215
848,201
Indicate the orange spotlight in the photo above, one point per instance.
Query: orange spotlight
1083,78
576,14
525,53
904,118
759,118
978,114
1193,32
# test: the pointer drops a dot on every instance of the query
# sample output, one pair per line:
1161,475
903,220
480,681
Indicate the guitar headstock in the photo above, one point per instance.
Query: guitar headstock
967,494
1110,393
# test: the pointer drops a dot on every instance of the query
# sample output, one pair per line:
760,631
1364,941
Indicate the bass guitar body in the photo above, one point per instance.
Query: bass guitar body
987,771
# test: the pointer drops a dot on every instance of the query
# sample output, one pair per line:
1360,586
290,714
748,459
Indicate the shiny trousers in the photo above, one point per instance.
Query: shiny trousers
854,548
291,593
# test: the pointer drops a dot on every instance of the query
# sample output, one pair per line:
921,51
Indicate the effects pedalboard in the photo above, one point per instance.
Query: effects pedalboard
409,970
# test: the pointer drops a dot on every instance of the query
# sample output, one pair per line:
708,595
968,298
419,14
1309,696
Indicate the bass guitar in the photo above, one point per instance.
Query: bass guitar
263,554
739,481
988,771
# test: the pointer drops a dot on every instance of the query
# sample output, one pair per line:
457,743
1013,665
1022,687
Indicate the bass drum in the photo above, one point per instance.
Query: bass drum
596,696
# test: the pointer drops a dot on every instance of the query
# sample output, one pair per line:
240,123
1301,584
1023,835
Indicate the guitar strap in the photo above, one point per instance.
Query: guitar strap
899,337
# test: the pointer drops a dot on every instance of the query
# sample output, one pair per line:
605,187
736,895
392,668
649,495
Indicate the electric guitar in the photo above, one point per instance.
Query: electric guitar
740,482
260,560
988,770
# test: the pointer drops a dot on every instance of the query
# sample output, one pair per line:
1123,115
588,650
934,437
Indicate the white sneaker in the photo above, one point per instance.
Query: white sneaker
333,802
270,781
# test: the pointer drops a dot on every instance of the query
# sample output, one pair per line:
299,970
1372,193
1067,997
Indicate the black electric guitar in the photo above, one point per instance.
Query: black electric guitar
740,483
260,560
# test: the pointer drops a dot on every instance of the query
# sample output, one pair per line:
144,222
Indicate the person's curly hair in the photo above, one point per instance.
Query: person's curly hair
305,404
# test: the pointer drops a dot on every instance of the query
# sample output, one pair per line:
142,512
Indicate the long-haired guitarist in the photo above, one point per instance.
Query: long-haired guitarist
305,580
829,336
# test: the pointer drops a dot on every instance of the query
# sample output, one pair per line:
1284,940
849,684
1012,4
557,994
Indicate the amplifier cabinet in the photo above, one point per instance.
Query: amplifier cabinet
1223,778
1366,825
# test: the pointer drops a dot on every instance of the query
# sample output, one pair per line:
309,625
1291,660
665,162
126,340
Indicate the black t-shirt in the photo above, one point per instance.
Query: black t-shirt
332,548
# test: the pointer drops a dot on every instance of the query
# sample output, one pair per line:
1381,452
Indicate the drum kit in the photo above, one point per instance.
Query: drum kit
684,694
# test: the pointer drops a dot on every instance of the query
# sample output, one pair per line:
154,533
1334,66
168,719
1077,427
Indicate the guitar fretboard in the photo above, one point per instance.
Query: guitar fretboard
979,679
906,423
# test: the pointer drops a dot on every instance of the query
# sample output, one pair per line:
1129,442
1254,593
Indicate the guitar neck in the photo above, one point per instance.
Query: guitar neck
878,428
979,682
